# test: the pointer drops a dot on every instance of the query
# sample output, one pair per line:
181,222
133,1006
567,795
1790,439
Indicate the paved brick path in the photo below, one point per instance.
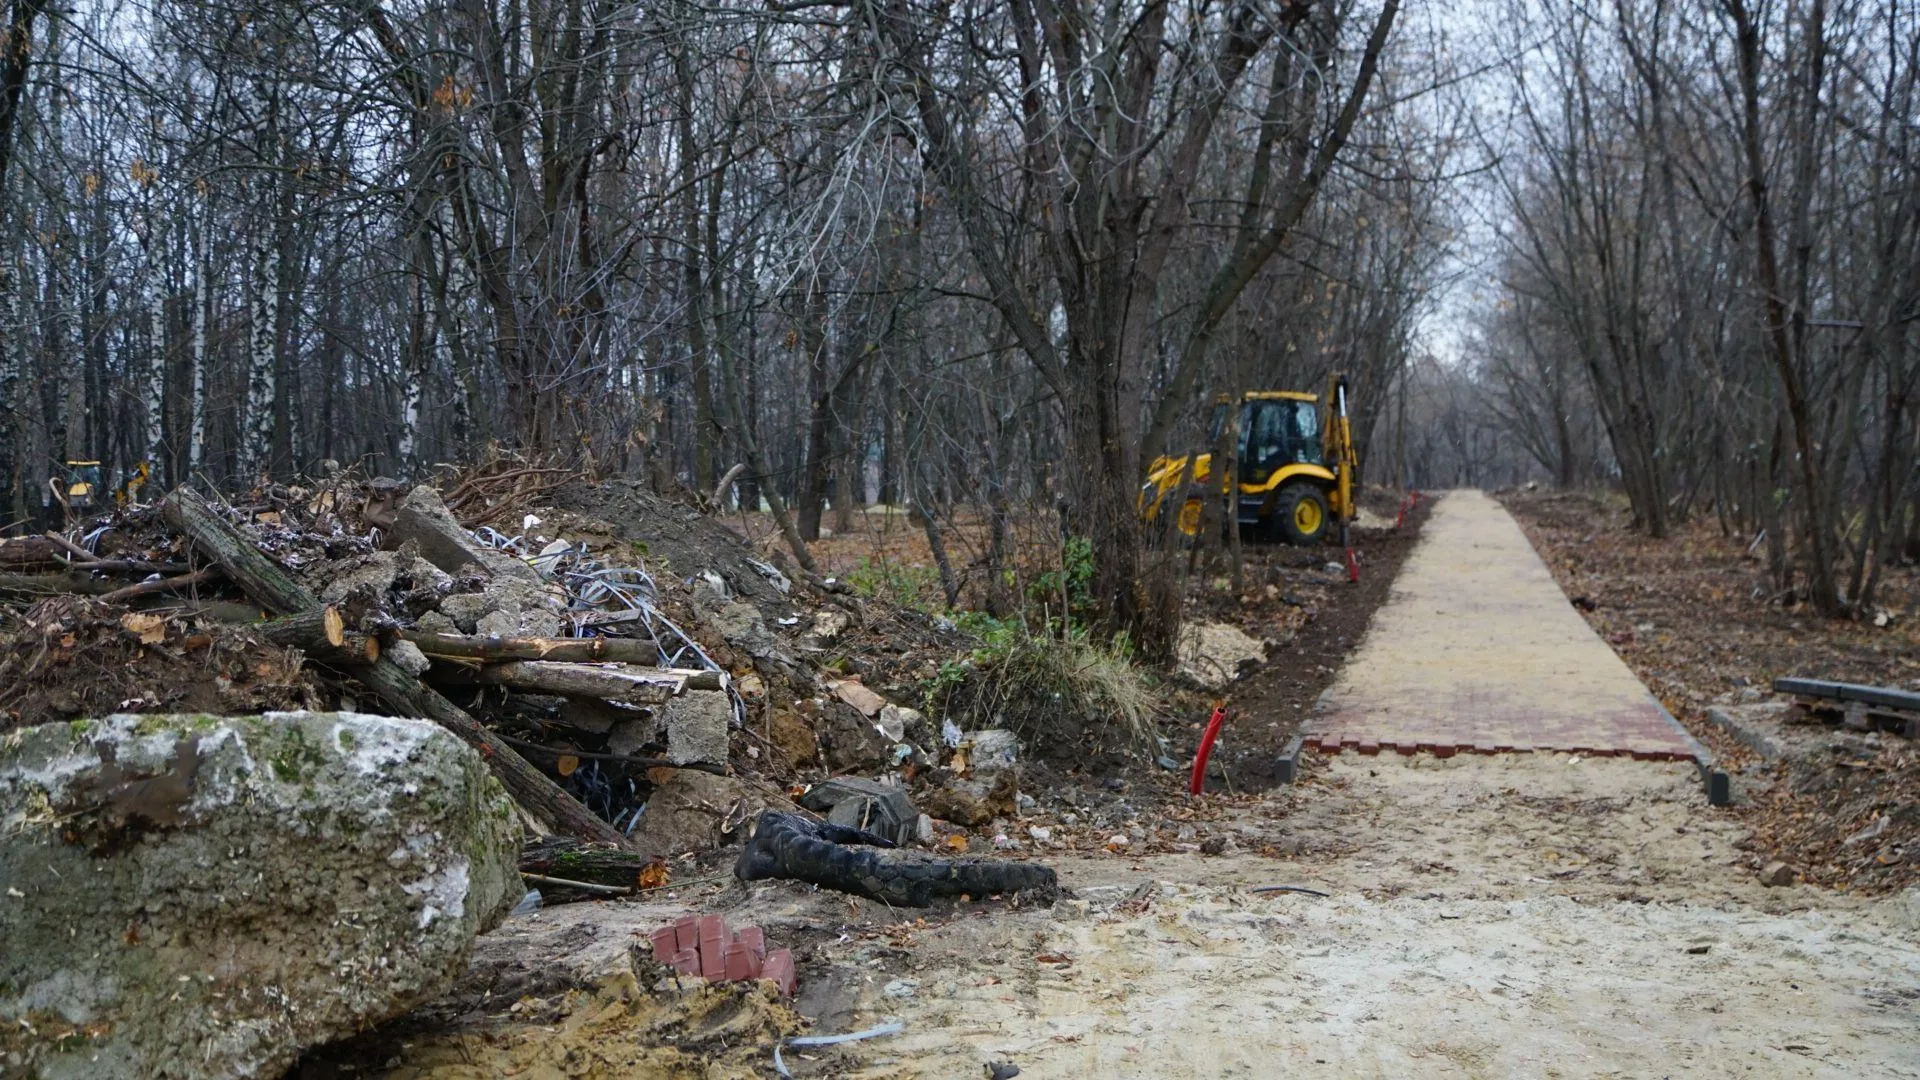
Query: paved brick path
1477,650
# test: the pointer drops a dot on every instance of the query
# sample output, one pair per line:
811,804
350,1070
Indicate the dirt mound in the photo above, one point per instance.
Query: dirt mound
70,657
710,1032
671,537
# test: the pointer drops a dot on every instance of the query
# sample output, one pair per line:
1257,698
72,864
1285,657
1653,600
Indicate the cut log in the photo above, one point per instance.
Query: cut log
322,635
599,864
274,589
218,539
492,647
30,552
836,857
621,683
315,631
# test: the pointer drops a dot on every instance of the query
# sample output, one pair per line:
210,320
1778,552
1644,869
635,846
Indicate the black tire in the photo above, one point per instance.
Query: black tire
1286,521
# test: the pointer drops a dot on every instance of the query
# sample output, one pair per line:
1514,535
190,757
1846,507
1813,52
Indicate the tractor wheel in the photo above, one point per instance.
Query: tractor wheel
1189,520
1300,514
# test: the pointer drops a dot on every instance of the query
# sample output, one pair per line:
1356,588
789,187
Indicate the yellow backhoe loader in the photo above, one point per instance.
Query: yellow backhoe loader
1296,466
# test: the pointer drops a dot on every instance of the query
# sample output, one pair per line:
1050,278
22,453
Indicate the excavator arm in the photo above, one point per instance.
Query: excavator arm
1340,454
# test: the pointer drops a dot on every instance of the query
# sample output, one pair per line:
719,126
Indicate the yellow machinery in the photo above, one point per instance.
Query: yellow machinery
83,484
1296,466
130,491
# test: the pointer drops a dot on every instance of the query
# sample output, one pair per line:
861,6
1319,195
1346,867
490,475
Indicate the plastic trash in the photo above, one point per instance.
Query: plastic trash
779,1066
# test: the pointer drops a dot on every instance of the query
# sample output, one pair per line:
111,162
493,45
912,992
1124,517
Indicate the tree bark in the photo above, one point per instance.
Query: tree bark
489,647
610,682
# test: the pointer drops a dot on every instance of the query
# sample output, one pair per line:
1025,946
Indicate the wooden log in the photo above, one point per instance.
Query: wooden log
315,631
598,864
29,552
493,647
274,589
263,579
55,584
621,683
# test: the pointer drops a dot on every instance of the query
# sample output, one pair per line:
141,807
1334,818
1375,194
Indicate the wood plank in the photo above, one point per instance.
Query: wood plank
494,647
621,683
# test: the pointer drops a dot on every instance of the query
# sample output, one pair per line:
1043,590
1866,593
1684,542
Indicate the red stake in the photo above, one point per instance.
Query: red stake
1411,500
1206,749
1353,567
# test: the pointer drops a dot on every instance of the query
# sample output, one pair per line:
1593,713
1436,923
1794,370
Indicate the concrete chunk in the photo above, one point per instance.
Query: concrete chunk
207,896
696,723
423,518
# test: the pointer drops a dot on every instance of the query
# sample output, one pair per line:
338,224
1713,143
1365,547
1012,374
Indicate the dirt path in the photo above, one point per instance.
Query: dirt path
1532,914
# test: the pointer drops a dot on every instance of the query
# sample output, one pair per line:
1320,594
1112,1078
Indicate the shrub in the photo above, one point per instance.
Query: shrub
1060,686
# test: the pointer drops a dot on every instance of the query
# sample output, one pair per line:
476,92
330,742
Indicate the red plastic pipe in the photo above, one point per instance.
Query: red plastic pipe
1206,749
1411,500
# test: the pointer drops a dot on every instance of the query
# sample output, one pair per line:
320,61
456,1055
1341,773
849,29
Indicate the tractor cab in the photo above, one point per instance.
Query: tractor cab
1277,429
83,484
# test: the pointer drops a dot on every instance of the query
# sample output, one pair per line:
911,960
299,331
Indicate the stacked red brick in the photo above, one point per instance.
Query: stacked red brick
703,947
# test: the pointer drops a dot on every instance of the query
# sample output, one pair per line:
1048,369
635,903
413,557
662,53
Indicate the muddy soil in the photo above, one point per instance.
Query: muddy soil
1266,708
71,657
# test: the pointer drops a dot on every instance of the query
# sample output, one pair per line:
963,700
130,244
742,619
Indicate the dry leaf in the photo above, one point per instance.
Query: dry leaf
957,842
1054,958
268,517
568,763
150,629
654,875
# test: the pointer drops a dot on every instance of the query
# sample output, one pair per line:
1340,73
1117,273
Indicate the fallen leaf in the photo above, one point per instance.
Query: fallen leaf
150,629
653,875
268,517
567,764
957,842
1054,958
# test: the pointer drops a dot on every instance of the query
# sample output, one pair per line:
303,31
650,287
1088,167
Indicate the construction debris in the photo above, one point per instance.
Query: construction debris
1215,654
866,806
704,947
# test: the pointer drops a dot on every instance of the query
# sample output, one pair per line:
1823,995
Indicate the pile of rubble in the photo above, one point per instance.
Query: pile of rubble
630,682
